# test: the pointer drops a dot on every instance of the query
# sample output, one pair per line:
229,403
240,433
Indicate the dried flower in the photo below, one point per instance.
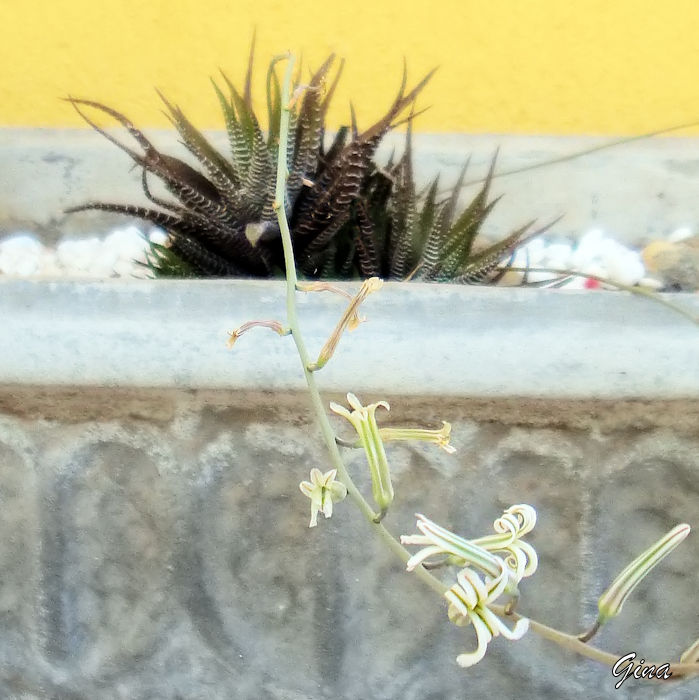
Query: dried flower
276,326
349,318
323,490
316,286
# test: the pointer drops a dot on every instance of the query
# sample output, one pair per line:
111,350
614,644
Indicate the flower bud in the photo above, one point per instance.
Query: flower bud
613,599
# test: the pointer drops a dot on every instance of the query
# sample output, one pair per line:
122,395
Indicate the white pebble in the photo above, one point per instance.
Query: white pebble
588,249
535,250
125,243
125,268
157,235
20,255
593,268
79,256
21,242
626,267
680,234
48,264
557,256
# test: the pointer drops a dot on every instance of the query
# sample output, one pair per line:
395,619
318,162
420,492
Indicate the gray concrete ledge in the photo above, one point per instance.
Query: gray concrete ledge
156,547
422,340
636,192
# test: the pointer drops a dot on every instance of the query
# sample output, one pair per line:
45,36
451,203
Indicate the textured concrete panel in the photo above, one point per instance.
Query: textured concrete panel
161,550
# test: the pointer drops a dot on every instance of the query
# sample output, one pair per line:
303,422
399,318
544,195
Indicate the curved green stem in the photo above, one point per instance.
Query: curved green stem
292,319
329,438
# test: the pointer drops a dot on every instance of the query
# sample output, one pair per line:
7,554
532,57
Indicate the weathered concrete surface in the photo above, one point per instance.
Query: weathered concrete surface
637,192
155,542
160,549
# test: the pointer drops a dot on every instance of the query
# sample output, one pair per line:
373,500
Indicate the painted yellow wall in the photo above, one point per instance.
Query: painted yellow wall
536,66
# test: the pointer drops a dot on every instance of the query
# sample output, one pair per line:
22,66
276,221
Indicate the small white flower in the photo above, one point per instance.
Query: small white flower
323,490
468,603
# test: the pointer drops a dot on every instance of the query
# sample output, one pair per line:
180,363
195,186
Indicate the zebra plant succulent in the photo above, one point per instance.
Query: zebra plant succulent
415,235
223,210
222,222
348,216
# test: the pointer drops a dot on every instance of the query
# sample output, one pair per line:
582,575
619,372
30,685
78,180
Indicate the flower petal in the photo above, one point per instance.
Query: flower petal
420,556
338,491
353,401
340,410
314,515
457,603
328,478
483,636
327,505
497,626
453,544
469,579
306,488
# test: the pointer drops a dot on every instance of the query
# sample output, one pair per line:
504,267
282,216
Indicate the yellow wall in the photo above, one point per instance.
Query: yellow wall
537,66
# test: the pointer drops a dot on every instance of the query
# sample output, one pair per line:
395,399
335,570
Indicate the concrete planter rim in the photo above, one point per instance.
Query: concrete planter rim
420,339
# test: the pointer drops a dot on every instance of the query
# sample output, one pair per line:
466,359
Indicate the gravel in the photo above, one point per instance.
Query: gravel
122,252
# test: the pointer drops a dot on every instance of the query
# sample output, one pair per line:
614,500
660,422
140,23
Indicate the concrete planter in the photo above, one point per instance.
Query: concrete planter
156,544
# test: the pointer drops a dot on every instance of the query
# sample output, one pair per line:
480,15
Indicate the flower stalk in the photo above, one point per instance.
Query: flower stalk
483,587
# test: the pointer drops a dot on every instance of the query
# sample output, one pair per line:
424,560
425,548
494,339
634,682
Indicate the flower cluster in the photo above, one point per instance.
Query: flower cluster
371,439
484,576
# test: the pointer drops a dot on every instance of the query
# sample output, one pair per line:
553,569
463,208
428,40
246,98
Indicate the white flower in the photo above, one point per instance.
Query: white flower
468,602
437,540
470,596
516,521
363,418
323,490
